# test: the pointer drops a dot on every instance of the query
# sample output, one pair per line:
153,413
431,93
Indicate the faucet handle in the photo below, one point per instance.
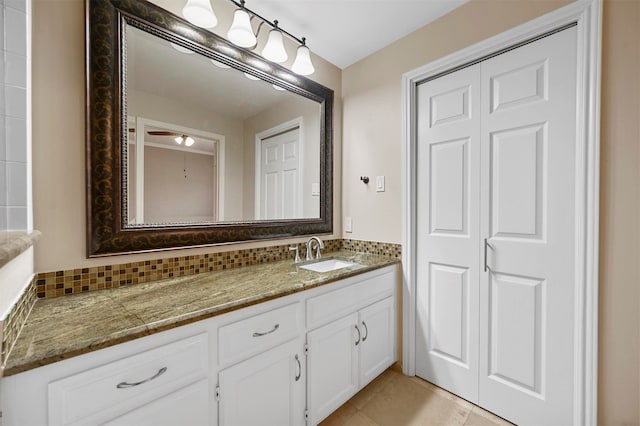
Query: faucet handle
297,258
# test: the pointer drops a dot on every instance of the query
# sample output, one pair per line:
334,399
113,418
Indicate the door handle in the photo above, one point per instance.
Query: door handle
486,244
299,368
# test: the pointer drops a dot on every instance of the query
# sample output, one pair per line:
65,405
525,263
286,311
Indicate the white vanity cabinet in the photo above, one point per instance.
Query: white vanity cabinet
288,361
140,389
268,388
187,406
347,353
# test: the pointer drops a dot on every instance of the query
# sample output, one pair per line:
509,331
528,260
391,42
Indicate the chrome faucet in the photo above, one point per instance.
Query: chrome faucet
319,245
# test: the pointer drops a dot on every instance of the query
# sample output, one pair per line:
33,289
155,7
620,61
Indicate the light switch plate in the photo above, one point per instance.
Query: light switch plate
379,183
315,189
348,224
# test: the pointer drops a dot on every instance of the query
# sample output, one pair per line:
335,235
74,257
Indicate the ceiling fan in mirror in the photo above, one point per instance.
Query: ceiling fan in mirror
179,138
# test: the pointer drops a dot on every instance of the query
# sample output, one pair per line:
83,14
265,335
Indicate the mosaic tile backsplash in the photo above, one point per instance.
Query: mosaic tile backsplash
73,281
15,320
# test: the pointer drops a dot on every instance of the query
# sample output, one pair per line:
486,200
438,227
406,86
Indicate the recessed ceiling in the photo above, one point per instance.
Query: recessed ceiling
346,31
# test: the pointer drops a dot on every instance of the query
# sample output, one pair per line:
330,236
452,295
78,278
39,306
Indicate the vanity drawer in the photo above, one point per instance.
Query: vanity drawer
338,303
247,337
99,394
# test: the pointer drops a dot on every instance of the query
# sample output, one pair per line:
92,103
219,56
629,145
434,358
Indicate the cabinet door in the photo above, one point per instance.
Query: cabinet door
378,337
267,389
332,366
189,406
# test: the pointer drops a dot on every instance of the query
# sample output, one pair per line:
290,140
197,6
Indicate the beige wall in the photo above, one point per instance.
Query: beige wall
619,319
372,145
178,186
59,141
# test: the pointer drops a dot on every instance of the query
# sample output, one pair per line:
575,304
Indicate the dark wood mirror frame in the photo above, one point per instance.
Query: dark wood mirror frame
107,233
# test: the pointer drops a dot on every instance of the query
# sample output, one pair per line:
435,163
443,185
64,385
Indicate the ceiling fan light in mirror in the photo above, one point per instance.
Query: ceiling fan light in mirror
274,49
241,33
200,13
302,65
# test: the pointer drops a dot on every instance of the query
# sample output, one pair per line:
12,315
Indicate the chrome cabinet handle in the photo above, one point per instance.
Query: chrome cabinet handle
275,327
299,368
366,331
125,385
358,330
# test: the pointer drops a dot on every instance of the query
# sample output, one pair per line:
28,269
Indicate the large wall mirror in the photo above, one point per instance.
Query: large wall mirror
193,141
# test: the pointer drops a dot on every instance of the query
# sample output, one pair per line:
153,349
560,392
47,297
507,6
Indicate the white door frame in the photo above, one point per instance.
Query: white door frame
280,128
586,14
141,122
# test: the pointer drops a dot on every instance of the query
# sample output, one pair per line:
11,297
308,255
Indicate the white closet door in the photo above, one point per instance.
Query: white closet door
280,192
448,231
527,215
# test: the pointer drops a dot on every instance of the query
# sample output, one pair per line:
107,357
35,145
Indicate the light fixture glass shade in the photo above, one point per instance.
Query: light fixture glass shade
278,88
181,49
178,140
251,77
200,13
274,49
220,64
189,141
241,33
302,65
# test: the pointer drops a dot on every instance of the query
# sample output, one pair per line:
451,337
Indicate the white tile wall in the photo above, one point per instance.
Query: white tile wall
15,117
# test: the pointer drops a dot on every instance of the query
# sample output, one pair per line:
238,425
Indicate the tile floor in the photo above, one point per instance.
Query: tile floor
397,400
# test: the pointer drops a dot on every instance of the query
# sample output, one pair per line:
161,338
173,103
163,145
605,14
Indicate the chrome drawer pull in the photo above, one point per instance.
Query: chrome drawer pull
366,331
275,327
299,368
125,385
358,330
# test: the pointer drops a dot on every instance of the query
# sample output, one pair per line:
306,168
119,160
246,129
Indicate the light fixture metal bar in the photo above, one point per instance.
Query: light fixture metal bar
241,5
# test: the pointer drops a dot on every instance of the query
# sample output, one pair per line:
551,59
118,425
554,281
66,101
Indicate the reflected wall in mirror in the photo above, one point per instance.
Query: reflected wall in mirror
193,141
256,150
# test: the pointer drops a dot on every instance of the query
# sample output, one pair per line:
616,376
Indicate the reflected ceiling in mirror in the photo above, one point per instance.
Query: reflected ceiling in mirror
256,146
238,130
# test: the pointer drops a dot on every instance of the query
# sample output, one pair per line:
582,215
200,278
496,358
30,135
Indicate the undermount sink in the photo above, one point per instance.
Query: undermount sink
327,265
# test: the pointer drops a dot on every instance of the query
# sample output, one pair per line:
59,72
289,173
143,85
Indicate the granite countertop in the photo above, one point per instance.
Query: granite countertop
14,243
68,326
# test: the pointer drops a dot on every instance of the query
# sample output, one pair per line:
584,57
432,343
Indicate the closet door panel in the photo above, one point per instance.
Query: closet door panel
528,204
448,253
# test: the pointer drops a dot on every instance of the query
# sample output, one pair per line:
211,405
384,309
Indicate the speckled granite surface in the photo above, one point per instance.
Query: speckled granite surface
15,243
61,328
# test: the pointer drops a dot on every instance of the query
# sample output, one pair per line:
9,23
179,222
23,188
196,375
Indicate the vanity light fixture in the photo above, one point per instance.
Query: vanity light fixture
302,65
274,49
241,34
200,13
